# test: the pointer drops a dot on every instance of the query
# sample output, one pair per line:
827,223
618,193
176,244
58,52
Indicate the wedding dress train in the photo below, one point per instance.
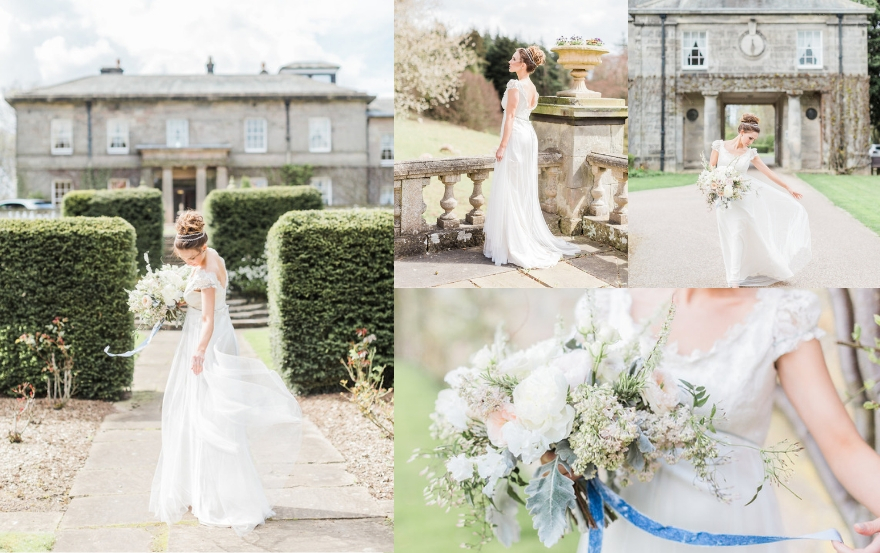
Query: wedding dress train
515,229
765,236
738,372
215,425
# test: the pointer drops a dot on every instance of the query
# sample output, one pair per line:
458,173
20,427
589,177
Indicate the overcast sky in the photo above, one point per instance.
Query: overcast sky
44,42
535,21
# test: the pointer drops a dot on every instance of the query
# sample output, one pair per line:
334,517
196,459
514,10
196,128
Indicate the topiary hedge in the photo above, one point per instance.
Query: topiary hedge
142,207
77,268
330,273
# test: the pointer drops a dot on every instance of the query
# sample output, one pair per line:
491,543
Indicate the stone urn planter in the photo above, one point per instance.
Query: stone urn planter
579,59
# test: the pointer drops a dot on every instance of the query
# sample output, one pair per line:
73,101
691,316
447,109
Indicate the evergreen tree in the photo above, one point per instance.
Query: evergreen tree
874,65
549,78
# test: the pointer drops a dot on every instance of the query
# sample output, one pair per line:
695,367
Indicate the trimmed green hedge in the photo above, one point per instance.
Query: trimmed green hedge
142,207
238,219
77,268
330,273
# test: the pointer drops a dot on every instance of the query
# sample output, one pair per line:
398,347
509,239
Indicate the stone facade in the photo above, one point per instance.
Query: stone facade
217,110
785,53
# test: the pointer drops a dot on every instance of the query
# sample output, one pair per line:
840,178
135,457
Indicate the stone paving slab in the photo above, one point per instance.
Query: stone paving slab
105,455
104,510
607,268
435,269
104,539
30,522
564,275
333,503
123,480
310,475
512,279
288,535
129,435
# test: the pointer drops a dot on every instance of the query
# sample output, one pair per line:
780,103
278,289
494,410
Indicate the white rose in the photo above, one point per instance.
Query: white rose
452,408
542,352
575,365
454,378
146,301
661,392
516,365
728,191
528,444
482,358
460,467
540,403
608,334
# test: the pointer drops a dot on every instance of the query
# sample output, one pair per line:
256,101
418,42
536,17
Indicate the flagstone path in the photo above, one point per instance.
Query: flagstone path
319,508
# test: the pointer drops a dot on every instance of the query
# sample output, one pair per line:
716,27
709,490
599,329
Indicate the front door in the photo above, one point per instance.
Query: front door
184,196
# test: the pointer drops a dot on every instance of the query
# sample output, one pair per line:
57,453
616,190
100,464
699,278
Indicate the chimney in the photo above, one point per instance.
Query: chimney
112,70
263,69
210,66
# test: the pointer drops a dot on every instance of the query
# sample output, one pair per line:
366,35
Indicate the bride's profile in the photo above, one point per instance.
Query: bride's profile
765,236
515,229
737,343
217,406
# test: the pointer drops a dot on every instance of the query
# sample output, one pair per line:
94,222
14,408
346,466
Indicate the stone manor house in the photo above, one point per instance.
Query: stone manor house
190,134
689,59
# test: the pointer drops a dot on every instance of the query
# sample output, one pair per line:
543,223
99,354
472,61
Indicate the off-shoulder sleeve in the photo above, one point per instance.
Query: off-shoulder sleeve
797,319
203,279
753,153
717,145
512,83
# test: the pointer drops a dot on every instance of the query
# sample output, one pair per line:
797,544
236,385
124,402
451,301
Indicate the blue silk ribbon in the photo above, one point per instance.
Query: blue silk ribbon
599,494
140,347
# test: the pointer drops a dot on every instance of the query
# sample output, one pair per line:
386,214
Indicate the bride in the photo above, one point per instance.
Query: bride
765,236
515,229
217,406
737,343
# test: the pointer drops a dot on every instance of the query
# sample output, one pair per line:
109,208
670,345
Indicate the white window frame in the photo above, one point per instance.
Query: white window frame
802,48
60,128
386,144
318,127
256,140
60,187
117,128
126,182
325,185
687,40
386,194
171,131
259,182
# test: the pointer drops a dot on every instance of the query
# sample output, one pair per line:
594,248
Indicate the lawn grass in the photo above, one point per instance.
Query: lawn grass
412,139
418,527
859,195
258,338
651,180
26,541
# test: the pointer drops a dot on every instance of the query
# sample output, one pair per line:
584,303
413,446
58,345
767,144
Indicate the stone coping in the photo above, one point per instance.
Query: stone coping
608,160
419,168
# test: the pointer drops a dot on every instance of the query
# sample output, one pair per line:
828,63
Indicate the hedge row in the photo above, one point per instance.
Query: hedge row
77,268
238,220
142,207
330,273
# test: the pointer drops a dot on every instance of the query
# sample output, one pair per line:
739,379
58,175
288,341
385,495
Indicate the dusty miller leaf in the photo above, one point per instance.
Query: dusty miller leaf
548,497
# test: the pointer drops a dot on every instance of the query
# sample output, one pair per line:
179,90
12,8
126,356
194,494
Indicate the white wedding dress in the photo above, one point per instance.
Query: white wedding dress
515,229
738,372
765,236
215,425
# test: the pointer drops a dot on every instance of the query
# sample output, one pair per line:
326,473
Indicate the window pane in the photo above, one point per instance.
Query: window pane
809,48
255,135
325,185
319,134
177,133
694,45
62,136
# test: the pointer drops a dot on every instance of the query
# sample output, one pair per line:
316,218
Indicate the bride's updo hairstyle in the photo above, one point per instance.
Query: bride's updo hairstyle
532,57
749,123
190,231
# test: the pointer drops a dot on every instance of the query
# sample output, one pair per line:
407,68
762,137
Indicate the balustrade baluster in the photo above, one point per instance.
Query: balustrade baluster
448,219
476,216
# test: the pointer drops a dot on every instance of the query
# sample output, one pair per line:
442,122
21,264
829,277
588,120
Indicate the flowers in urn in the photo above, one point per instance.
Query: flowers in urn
577,40
585,404
158,295
721,185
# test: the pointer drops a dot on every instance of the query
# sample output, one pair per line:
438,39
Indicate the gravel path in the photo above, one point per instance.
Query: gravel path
36,474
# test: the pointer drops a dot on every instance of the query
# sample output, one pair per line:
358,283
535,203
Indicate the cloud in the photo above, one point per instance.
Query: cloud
57,59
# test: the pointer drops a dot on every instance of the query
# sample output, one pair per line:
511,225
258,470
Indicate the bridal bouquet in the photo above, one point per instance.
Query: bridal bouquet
586,404
721,185
158,295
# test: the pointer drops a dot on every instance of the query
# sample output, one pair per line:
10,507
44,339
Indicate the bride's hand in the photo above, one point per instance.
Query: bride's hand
500,152
865,529
549,456
797,195
198,362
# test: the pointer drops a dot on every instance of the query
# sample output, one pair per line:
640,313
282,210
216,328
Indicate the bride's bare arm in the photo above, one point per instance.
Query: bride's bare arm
509,114
806,382
762,167
198,359
713,158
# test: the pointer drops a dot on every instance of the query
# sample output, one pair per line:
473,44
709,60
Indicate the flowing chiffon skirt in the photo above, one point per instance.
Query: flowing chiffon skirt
221,429
765,237
515,229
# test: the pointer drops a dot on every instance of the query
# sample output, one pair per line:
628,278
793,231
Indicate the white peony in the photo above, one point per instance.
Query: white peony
661,392
575,365
146,301
528,444
728,191
516,365
540,403
460,467
452,408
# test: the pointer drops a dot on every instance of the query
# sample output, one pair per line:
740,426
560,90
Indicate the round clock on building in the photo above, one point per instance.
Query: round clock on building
752,44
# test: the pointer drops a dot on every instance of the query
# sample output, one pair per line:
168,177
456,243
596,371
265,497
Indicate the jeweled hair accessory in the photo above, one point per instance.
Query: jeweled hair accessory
189,237
526,52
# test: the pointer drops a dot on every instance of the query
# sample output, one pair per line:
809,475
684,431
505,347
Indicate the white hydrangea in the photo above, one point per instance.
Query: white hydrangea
460,467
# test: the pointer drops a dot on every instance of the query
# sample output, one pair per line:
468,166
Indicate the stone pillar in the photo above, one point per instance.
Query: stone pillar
201,186
146,177
168,194
222,178
711,122
793,131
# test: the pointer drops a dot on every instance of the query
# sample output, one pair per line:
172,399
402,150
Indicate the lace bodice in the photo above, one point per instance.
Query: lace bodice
199,279
738,370
741,161
523,109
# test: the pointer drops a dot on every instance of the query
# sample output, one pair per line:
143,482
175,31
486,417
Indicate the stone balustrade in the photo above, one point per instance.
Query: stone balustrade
617,167
411,177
